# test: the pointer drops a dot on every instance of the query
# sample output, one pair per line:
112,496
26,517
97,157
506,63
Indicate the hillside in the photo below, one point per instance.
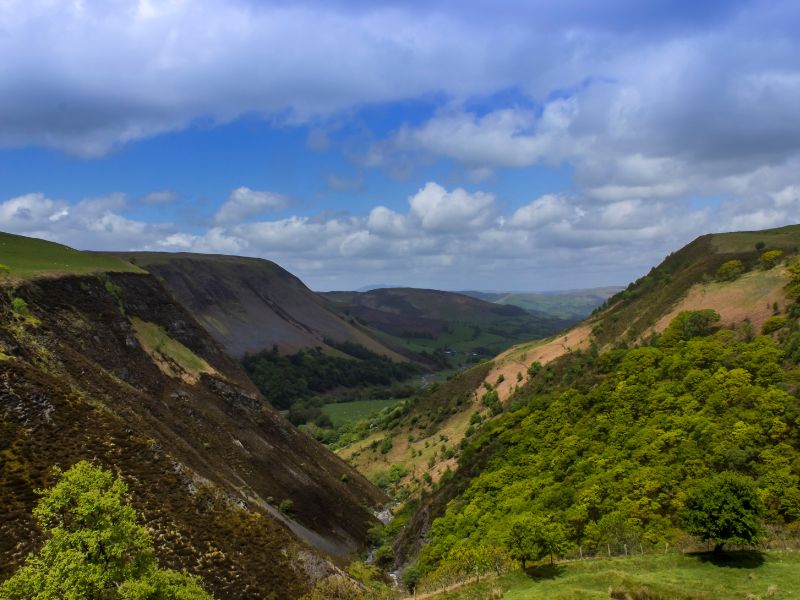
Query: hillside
686,280
608,427
425,320
250,304
106,366
573,305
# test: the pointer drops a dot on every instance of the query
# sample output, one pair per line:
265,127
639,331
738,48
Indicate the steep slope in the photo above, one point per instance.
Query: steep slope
108,367
601,435
686,280
250,304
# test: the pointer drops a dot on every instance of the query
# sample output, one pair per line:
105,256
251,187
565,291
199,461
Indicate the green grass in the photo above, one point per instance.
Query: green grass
27,257
674,576
156,341
352,412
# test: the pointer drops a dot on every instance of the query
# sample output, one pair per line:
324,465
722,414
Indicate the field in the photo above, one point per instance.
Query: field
26,257
352,412
674,576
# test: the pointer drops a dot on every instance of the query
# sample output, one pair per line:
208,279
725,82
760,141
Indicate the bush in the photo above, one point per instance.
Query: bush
772,325
770,258
286,506
20,307
689,324
730,270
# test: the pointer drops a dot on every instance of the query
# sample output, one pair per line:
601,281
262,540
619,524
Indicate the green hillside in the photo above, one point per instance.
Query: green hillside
26,257
675,576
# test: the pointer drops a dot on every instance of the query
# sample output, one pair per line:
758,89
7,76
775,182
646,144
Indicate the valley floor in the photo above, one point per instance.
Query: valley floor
674,576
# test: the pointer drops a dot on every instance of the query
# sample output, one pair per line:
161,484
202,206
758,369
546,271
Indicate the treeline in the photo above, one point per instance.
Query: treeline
604,451
302,382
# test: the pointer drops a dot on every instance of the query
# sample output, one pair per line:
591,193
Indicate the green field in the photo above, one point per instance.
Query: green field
674,576
352,412
26,257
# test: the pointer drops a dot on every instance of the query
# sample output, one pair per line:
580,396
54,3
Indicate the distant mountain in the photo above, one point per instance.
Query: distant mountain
567,304
426,320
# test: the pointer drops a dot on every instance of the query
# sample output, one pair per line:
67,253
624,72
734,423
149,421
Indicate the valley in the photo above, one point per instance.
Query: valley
590,433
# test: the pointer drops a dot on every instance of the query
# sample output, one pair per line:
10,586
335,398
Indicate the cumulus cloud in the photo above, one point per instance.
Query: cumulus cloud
493,248
244,203
440,210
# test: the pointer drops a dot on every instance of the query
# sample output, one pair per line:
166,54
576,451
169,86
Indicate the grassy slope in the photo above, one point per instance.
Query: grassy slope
351,412
27,257
674,576
683,281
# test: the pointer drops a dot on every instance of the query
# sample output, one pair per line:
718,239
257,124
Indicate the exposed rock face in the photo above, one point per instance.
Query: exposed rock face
207,459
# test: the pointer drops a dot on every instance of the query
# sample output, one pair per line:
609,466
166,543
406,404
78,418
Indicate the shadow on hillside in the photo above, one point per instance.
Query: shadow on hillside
739,559
545,571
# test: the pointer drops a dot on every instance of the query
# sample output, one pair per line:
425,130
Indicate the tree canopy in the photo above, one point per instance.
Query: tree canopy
725,509
94,549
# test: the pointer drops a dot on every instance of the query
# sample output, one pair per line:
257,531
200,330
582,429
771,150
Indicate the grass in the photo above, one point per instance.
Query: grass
352,412
652,577
28,257
166,350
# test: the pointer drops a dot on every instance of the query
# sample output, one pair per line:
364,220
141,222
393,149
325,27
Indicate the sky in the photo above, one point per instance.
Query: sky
515,145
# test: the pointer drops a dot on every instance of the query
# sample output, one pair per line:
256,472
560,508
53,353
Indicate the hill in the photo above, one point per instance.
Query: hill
574,305
607,428
25,257
425,320
249,304
105,365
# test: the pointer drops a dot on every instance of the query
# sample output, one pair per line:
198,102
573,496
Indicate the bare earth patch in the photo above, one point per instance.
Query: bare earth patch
519,358
750,297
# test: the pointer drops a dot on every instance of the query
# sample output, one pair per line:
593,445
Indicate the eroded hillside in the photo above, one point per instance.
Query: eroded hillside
108,367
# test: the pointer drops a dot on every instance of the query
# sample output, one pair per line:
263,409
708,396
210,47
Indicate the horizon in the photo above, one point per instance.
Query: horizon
448,146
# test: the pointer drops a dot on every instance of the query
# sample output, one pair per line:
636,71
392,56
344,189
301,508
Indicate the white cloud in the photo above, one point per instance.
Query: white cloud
244,203
544,210
440,210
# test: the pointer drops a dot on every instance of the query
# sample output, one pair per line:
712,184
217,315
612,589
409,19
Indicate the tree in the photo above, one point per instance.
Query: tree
730,270
520,541
94,547
532,538
725,509
689,324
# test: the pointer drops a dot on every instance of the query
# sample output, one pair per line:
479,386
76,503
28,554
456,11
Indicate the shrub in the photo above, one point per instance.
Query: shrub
770,258
730,270
20,307
772,325
286,506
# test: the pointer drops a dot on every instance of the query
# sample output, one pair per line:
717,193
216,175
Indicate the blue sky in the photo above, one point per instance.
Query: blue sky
457,145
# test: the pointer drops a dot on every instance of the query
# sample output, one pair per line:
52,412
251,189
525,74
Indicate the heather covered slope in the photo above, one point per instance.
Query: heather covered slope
250,304
108,367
